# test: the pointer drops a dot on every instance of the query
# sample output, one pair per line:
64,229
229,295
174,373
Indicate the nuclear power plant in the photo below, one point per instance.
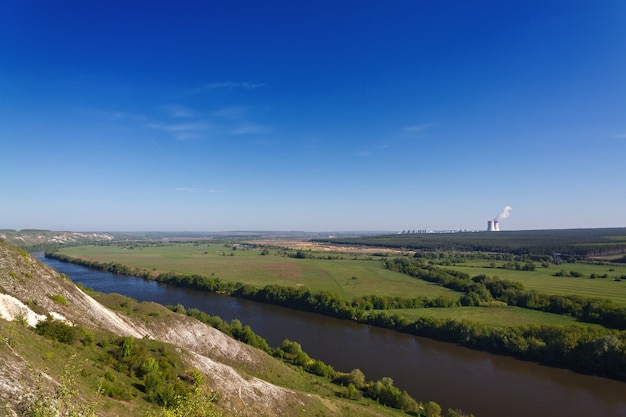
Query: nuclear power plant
493,226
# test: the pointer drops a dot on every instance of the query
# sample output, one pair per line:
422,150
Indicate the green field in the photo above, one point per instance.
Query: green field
490,316
351,275
544,281
351,271
347,277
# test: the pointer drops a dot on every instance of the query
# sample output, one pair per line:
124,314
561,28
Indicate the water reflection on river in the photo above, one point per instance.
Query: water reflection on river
484,384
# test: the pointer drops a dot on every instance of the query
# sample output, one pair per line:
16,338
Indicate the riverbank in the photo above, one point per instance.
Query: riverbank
488,385
586,349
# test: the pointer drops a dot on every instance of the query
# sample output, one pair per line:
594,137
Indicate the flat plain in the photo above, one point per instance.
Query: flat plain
352,271
545,280
490,316
345,274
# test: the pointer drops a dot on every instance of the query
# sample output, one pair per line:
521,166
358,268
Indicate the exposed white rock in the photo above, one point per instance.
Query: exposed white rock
12,308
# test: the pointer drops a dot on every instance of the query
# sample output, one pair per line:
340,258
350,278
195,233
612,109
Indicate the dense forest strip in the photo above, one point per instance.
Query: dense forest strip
583,348
578,243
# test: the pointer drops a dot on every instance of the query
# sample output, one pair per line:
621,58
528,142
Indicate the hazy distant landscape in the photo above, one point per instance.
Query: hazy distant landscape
439,181
108,355
361,275
512,293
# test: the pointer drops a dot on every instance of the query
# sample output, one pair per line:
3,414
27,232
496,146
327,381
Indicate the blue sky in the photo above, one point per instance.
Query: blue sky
315,116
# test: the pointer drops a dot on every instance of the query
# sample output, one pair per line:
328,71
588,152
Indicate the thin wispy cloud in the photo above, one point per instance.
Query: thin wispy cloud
416,128
194,190
183,136
184,131
249,128
236,121
226,85
231,113
262,141
181,127
176,110
230,84
372,151
156,145
393,140
111,114
620,136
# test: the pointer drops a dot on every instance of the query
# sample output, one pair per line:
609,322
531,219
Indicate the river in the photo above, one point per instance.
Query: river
455,377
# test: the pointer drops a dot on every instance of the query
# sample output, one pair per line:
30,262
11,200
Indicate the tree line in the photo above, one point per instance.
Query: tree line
586,349
577,243
301,298
354,382
482,288
596,350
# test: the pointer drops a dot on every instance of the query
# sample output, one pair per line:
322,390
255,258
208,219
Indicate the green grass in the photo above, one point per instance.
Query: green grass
90,370
544,281
489,316
53,357
347,277
352,276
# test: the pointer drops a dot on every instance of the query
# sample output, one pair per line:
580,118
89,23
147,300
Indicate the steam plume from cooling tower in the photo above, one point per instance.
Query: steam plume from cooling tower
506,212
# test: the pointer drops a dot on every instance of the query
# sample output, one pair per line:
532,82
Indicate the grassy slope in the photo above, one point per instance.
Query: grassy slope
271,370
52,357
85,373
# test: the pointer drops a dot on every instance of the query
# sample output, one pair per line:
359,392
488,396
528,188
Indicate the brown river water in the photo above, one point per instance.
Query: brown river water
476,382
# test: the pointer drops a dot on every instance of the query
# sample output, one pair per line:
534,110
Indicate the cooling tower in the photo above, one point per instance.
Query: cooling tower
493,226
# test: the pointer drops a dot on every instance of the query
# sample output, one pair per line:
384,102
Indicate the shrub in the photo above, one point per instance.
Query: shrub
115,391
56,330
58,298
65,401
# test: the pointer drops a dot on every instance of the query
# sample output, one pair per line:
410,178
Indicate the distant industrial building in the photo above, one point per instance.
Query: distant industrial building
415,232
493,226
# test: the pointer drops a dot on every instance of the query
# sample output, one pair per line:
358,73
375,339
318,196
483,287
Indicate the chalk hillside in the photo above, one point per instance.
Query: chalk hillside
30,291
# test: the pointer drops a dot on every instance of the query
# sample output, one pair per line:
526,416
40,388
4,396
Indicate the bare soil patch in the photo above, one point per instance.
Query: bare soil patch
301,244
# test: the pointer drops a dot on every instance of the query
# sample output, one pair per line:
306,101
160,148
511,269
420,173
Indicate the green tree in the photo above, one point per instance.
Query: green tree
352,392
432,409
149,366
56,330
357,377
127,346
198,403
292,352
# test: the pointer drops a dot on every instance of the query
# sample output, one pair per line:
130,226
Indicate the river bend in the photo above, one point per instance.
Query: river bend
484,384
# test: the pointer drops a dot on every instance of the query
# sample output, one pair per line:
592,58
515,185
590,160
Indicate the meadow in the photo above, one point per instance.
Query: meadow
354,274
404,291
489,316
347,275
546,280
